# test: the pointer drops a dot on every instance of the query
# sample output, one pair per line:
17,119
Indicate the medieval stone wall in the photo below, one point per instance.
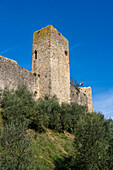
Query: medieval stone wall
88,92
12,75
82,96
50,70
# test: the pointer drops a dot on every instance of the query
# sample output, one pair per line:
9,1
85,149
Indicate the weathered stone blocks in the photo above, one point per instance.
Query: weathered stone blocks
51,63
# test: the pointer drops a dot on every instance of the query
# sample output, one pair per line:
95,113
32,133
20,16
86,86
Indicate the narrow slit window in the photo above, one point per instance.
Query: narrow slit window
66,53
35,54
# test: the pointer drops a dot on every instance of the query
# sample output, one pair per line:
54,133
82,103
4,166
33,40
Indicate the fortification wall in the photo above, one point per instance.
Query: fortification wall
77,96
82,96
12,75
50,70
88,92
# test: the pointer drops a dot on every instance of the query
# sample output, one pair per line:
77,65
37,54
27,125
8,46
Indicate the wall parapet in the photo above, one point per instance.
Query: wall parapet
12,75
82,96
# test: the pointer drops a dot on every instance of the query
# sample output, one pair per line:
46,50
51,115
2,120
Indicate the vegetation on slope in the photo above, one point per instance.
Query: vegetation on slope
46,135
50,146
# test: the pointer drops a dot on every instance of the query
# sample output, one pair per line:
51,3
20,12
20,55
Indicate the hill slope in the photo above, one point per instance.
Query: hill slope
50,146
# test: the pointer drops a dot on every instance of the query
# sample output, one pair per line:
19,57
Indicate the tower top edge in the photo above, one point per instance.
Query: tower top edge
49,27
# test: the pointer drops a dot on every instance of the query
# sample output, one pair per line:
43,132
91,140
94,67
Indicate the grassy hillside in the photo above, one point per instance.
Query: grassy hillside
50,146
48,143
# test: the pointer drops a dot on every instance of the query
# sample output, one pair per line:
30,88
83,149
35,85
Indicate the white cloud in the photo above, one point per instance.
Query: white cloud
10,49
104,102
75,46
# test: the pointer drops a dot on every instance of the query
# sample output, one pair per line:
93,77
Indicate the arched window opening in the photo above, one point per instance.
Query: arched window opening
35,54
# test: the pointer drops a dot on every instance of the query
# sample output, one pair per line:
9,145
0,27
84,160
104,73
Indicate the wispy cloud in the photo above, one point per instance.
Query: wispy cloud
104,102
10,49
75,46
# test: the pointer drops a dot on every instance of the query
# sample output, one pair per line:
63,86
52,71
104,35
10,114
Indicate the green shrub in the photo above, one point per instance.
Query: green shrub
16,152
48,109
93,144
18,104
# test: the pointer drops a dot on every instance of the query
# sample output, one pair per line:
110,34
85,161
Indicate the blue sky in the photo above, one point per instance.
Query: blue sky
87,24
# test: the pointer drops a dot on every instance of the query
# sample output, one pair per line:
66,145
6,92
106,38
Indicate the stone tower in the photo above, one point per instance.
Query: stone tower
50,61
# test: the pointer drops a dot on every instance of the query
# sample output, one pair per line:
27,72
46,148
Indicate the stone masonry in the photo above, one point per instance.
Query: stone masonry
50,70
51,63
12,75
82,96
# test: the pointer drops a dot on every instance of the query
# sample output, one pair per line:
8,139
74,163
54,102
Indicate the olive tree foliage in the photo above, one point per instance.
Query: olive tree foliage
110,142
16,152
15,144
70,115
58,117
93,144
48,113
17,105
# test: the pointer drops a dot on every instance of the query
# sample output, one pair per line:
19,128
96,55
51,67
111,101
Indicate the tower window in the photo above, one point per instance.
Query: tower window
35,54
66,53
